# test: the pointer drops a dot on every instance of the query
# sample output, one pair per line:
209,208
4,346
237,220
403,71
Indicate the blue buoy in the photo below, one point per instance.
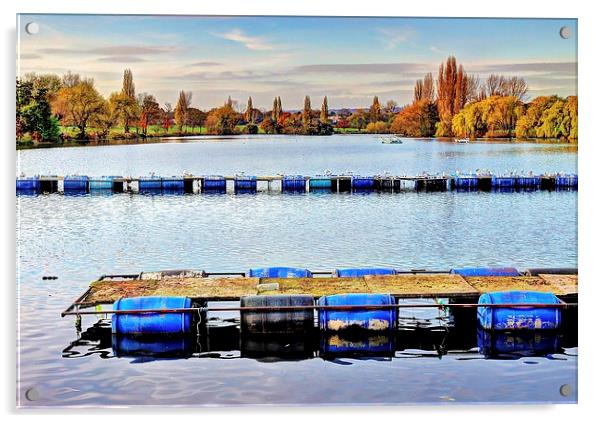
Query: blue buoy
28,186
152,323
359,272
103,183
529,182
214,184
503,182
279,272
567,181
320,183
466,182
362,183
149,185
486,271
245,185
293,184
75,184
534,318
172,185
375,320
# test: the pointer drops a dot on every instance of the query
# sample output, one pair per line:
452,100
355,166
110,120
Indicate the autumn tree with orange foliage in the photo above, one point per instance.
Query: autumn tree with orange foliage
416,120
452,93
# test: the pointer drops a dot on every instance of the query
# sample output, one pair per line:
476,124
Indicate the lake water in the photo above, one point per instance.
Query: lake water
79,238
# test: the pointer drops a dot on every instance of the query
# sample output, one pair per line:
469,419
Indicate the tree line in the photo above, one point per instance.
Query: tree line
452,104
461,105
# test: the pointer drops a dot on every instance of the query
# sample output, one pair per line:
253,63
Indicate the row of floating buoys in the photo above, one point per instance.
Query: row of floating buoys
297,272
293,184
265,314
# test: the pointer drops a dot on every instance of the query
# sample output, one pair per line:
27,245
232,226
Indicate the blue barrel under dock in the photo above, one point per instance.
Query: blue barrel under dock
152,323
279,272
75,184
519,318
149,185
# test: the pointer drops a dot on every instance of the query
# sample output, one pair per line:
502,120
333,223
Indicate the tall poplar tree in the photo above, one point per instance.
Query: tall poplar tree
324,111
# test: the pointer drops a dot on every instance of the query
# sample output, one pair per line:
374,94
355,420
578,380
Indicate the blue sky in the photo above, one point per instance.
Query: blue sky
347,59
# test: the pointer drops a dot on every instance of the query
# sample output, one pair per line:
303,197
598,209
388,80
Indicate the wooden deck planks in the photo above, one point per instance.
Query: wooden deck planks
439,285
403,286
511,283
566,284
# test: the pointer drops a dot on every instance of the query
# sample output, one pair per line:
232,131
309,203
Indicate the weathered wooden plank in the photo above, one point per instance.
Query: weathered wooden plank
403,286
224,288
421,285
567,284
317,286
511,283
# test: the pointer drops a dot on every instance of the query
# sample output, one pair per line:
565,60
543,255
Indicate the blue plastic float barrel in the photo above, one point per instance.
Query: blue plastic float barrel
173,185
534,318
359,272
75,184
30,185
158,346
503,182
279,272
277,321
362,183
486,271
320,183
465,182
529,182
245,184
149,185
152,323
567,181
293,183
214,184
375,320
102,183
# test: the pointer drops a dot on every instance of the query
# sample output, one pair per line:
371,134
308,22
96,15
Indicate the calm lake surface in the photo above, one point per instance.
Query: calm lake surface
78,239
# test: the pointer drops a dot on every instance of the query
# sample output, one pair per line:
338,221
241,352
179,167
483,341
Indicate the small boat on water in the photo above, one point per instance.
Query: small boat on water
391,140
462,140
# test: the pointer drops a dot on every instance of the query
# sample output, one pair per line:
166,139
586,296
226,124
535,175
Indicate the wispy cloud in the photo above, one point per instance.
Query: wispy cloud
205,64
121,59
375,68
250,42
570,67
392,37
122,50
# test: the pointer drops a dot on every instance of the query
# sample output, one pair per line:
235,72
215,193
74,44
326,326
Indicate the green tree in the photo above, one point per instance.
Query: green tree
38,119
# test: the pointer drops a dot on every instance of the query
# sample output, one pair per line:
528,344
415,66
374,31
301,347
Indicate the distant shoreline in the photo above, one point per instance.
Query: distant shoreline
28,145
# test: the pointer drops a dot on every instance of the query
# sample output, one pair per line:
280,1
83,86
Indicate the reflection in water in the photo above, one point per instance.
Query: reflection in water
224,341
517,344
157,346
363,345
